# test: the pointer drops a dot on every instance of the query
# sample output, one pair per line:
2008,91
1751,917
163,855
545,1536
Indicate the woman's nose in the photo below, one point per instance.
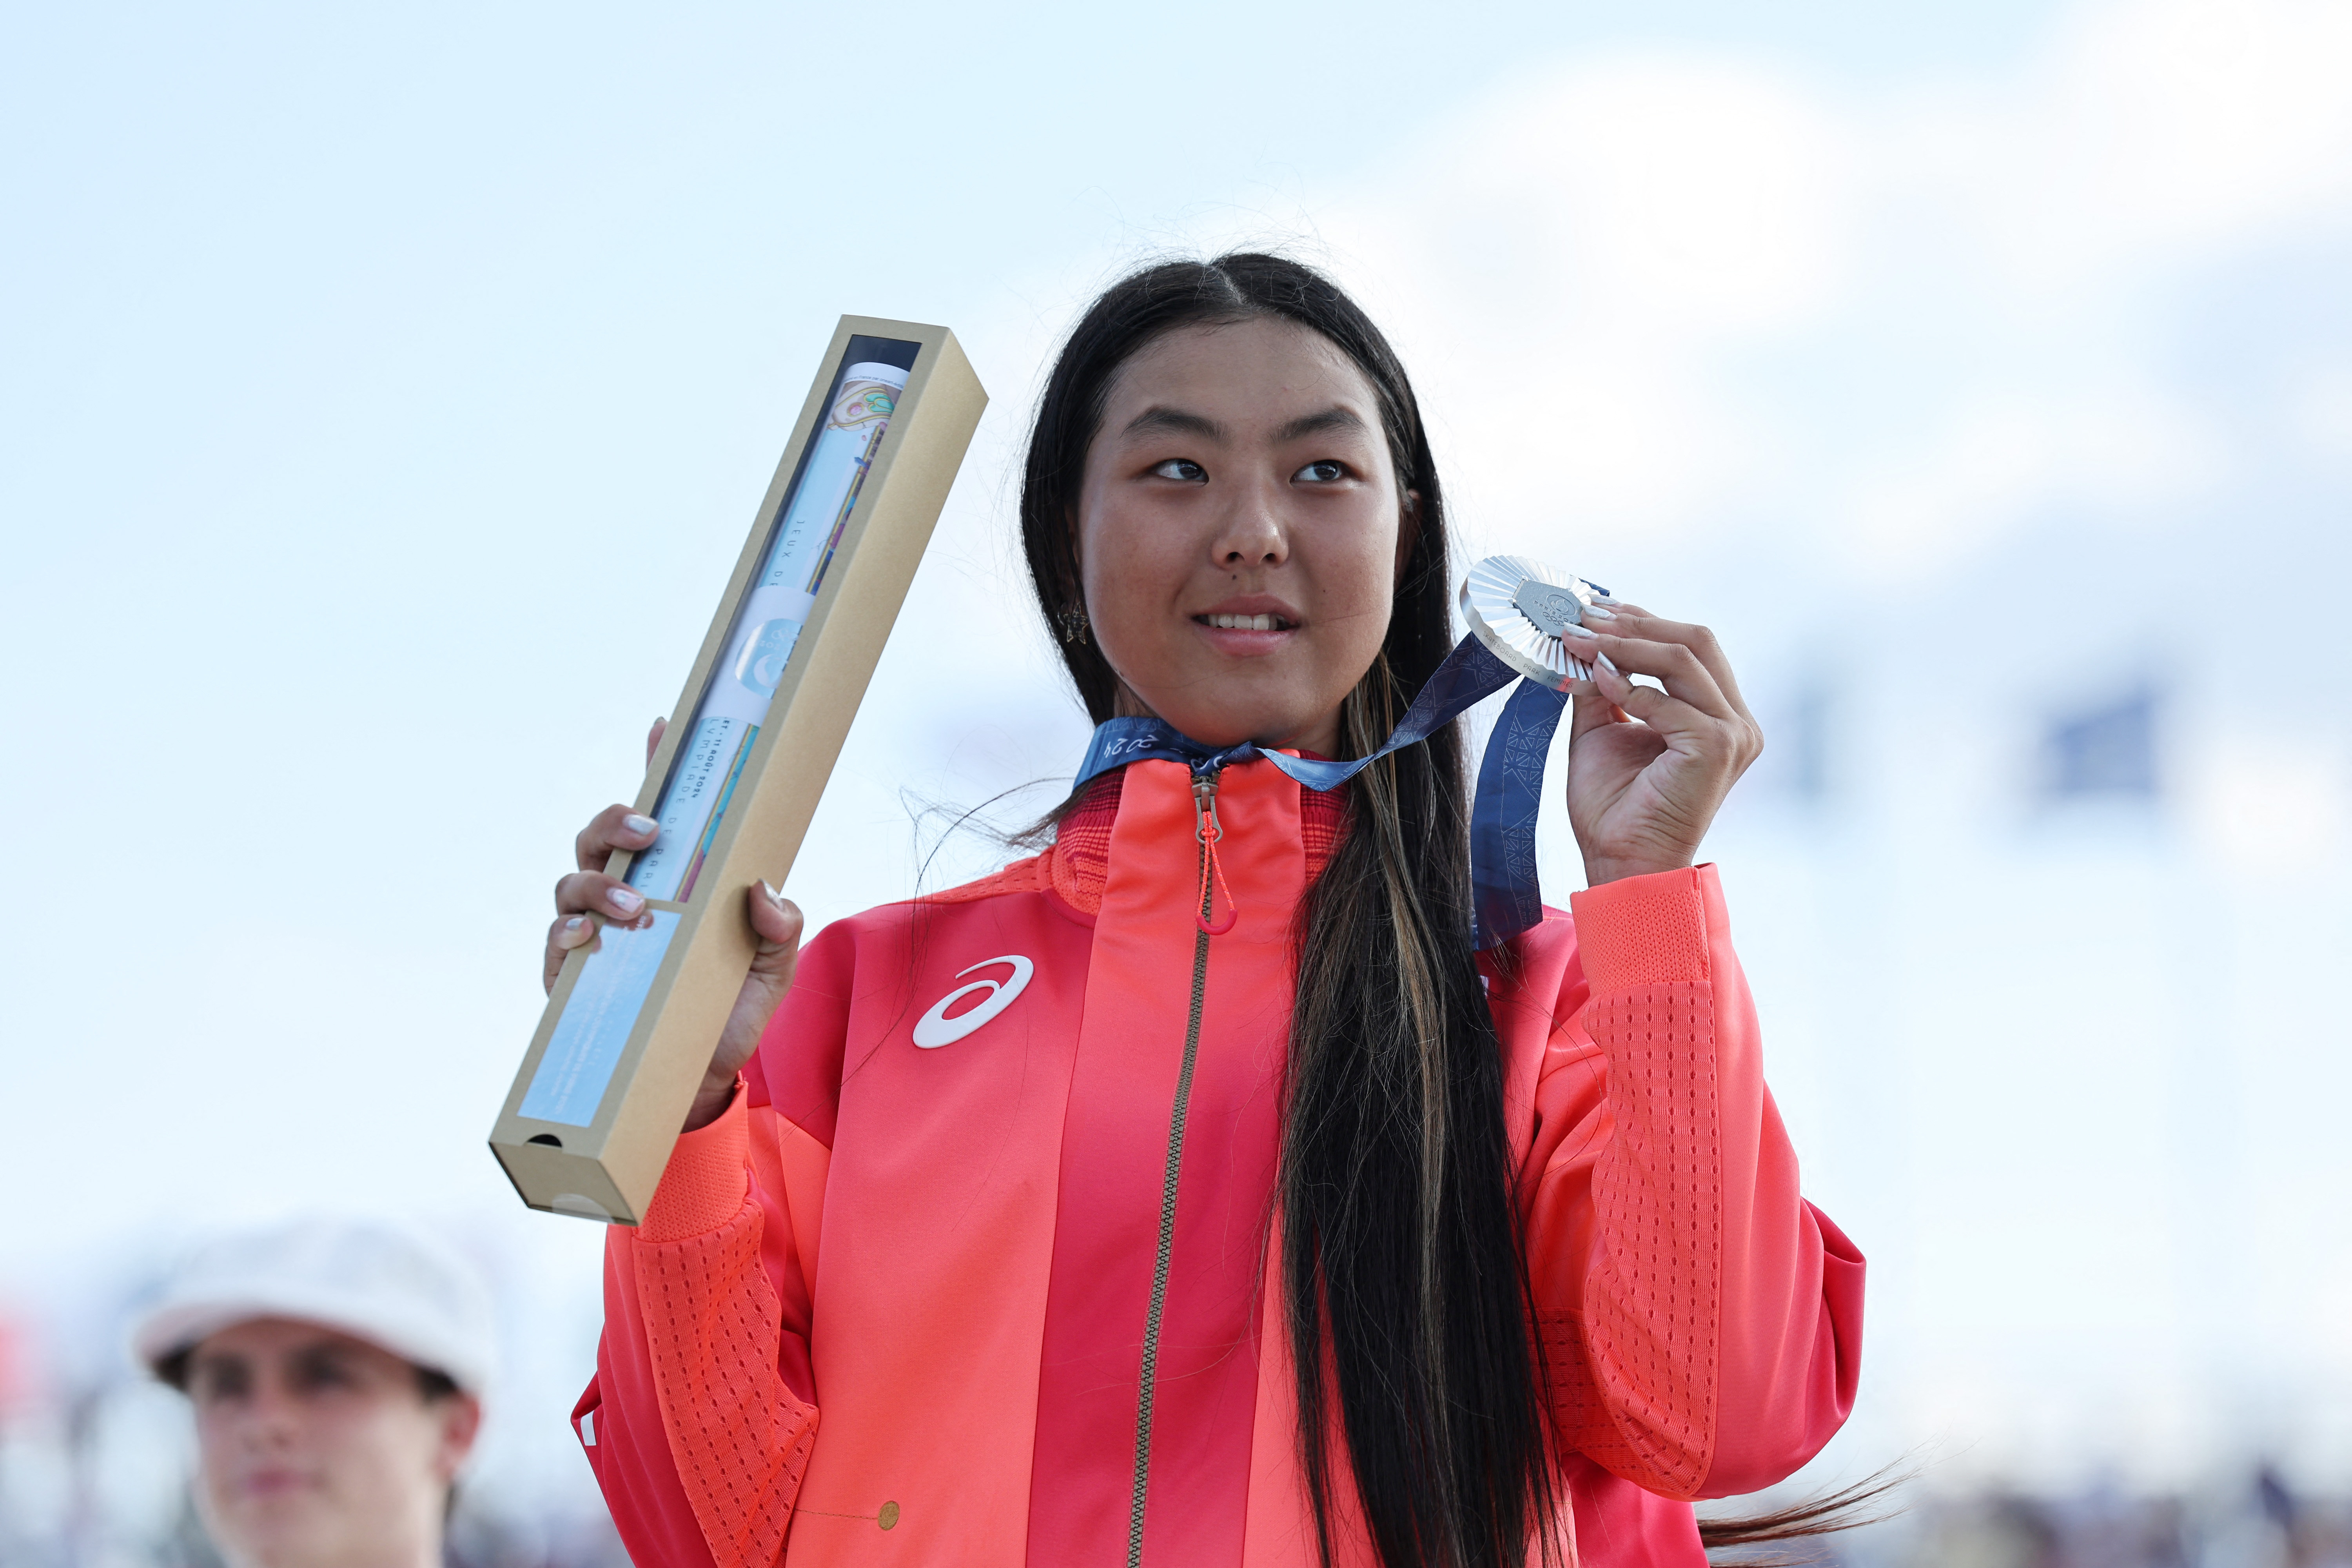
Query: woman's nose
1250,532
262,1424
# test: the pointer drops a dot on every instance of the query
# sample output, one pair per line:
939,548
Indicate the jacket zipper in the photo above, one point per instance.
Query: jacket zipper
1207,831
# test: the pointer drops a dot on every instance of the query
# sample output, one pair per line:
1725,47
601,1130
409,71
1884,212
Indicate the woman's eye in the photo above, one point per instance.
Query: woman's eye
312,1374
1182,468
1321,473
213,1384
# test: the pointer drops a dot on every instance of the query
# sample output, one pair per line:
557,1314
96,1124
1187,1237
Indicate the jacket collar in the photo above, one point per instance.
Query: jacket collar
1079,860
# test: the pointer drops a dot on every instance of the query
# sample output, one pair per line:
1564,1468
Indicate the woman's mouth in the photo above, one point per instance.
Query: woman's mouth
1253,632
275,1481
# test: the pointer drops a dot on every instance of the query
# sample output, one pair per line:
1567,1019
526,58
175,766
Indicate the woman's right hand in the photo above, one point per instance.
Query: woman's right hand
588,893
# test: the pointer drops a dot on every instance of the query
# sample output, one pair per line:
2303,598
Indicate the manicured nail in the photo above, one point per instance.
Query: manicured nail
1599,612
576,923
640,825
1583,634
627,902
1602,659
773,894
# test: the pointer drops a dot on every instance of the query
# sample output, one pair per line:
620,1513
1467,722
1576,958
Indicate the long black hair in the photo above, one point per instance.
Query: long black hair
1403,1273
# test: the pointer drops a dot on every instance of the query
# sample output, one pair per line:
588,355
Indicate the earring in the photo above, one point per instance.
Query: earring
1072,619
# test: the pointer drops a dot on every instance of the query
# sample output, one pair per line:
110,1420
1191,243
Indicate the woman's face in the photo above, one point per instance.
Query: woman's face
319,1448
1240,533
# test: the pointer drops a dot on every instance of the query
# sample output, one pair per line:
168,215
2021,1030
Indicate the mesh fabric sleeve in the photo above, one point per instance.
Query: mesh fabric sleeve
702,1416
1701,1324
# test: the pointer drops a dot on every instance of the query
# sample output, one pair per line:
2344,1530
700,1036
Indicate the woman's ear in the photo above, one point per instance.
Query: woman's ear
1072,531
460,1420
1408,531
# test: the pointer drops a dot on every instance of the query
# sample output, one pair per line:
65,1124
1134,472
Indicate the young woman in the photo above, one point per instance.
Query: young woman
335,1371
1190,1192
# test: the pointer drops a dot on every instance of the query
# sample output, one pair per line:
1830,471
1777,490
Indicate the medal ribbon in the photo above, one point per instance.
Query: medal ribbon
1506,899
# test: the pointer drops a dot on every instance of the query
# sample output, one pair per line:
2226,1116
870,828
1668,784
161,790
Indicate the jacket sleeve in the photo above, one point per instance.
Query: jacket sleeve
1701,1324
702,1415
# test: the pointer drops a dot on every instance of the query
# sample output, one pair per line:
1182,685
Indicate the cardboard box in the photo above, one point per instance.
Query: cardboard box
629,1029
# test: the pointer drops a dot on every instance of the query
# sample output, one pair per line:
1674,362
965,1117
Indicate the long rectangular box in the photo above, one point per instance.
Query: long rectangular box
630,1026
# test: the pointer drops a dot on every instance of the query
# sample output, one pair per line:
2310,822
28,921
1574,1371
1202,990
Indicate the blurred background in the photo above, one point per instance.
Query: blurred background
386,394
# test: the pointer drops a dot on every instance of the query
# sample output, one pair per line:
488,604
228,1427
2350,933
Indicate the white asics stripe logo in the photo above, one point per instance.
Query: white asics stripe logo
935,1028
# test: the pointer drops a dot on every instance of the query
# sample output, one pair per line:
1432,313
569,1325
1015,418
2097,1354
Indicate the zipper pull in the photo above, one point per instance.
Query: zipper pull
1204,801
1209,830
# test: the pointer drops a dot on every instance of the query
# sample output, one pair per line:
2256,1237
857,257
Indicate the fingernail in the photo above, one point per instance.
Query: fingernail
1602,659
1595,612
576,923
627,902
774,895
1585,634
640,824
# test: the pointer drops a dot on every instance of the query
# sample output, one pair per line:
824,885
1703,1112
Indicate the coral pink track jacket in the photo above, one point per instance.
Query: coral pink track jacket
890,1308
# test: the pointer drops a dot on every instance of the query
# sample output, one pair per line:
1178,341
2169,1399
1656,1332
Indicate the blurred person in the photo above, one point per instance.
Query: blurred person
1254,1218
336,1371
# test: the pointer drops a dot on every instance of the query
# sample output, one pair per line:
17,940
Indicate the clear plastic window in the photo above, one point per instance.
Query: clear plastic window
802,538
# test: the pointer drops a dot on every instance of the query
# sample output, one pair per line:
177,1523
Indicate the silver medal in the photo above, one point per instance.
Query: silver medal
1518,608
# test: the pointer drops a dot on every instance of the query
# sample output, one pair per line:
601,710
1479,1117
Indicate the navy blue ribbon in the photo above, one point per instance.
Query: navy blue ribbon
1506,899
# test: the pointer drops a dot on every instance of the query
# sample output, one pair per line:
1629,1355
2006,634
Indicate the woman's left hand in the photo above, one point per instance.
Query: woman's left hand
1641,795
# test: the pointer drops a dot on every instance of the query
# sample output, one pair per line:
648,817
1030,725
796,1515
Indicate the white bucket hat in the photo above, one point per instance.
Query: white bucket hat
376,1282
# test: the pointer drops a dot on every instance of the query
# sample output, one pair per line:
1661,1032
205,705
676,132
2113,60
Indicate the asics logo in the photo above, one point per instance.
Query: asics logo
935,1028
